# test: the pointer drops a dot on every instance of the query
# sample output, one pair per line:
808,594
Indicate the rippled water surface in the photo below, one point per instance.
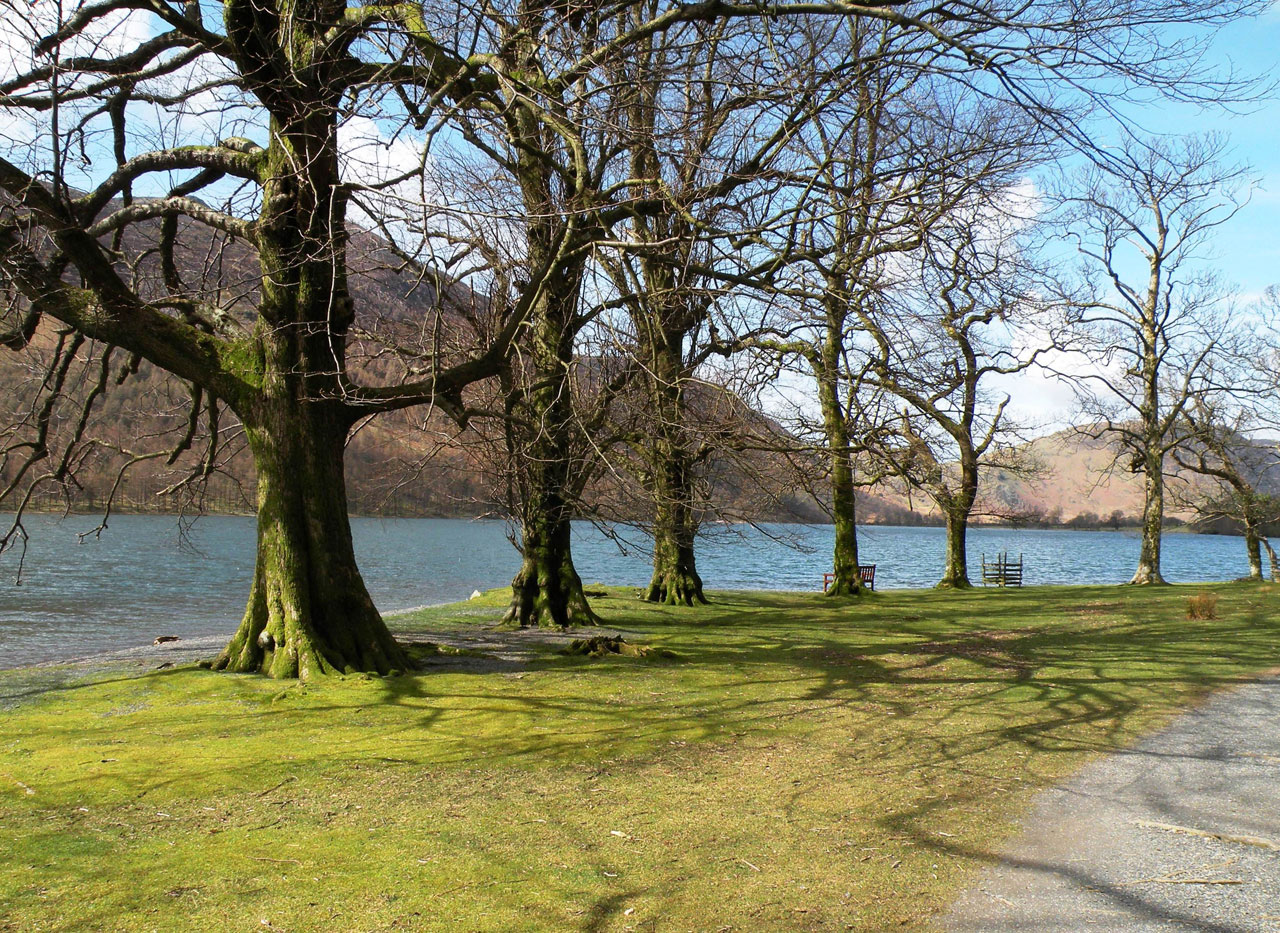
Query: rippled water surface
142,578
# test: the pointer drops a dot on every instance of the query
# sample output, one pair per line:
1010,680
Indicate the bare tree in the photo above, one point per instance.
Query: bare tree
972,309
232,127
1154,315
710,125
584,167
907,156
150,112
1223,442
541,115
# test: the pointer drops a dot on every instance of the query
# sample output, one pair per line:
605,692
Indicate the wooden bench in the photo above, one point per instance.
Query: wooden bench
866,573
1002,571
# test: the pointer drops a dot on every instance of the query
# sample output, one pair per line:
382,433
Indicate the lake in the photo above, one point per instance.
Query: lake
146,577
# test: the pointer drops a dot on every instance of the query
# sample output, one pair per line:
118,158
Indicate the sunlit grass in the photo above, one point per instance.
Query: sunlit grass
800,764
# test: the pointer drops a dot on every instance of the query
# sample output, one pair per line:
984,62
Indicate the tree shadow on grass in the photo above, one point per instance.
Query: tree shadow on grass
1092,664
1047,670
912,685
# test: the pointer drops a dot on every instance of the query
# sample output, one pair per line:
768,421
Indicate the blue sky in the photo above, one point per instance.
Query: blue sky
1248,249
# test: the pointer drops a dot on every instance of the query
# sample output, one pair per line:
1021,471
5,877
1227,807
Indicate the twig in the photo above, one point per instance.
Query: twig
282,861
1257,841
289,780
474,884
1167,880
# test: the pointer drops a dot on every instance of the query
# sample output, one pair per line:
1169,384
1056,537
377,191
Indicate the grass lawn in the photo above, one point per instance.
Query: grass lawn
800,764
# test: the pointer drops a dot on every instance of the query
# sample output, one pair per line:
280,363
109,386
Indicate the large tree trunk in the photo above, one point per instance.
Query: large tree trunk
845,580
957,509
1253,547
956,574
675,578
547,591
844,558
309,612
1148,571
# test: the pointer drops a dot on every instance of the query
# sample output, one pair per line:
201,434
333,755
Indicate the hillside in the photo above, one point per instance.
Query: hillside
1074,475
416,462
1077,479
420,463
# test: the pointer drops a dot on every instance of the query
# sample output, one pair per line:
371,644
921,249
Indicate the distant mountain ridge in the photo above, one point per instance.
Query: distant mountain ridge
1079,479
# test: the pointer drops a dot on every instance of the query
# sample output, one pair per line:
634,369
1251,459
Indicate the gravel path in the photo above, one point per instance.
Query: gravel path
1181,832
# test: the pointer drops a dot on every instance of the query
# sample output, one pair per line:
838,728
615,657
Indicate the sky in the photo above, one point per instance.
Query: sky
1248,249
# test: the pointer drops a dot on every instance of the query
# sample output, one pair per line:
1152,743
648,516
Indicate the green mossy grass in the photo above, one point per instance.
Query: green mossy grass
801,763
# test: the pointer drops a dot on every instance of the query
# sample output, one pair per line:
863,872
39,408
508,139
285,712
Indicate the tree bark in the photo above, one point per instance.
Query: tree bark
845,580
675,578
1152,436
1253,547
1148,571
844,559
956,575
547,591
309,612
957,508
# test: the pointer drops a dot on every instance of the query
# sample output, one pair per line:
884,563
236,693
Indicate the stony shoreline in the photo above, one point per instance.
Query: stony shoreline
19,684
483,648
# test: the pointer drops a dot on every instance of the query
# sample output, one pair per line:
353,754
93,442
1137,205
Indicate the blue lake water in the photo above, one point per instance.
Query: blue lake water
143,578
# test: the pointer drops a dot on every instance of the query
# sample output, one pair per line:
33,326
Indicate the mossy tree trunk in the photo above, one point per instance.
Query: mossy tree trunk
1148,570
957,508
671,468
666,305
675,578
547,591
956,575
846,580
309,612
827,367
1253,548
